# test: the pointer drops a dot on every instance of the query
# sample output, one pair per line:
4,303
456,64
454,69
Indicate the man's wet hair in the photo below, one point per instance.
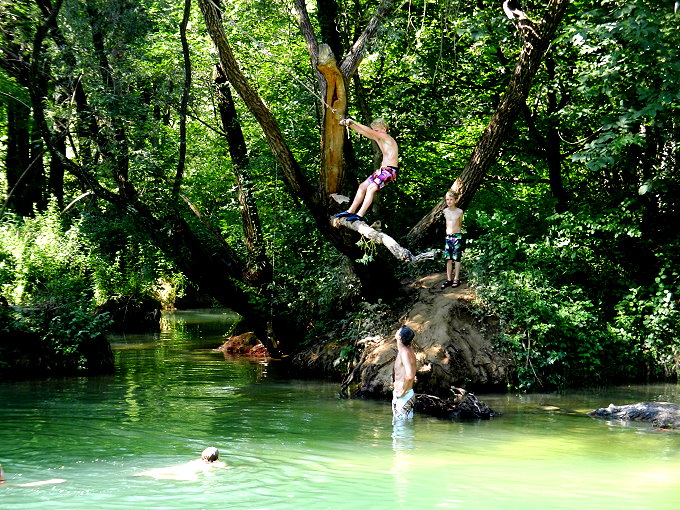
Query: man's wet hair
406,334
210,454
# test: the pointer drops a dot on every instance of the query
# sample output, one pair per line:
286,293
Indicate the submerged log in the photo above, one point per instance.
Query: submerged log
660,414
376,236
462,405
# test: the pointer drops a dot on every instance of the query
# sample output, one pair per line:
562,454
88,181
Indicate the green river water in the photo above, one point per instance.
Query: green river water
293,444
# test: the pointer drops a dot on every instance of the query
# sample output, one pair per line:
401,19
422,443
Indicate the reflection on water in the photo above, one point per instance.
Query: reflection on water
403,435
292,444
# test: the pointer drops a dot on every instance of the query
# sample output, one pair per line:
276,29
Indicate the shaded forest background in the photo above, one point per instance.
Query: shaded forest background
178,152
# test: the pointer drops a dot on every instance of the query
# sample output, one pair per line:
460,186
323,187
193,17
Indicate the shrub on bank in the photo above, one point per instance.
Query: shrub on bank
60,275
578,309
53,341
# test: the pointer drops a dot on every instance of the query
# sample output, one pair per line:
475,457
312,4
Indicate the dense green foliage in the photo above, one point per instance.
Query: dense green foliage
81,263
53,340
585,279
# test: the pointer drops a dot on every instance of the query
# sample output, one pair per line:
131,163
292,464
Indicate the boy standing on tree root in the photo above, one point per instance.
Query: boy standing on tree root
377,180
453,249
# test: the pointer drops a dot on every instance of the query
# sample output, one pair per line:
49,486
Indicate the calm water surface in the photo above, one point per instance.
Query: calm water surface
292,444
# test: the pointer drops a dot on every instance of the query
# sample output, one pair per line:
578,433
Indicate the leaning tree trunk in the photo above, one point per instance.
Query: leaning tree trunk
270,128
375,277
259,271
537,38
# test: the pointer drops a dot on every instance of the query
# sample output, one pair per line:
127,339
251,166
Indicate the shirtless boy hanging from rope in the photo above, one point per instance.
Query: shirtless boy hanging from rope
377,180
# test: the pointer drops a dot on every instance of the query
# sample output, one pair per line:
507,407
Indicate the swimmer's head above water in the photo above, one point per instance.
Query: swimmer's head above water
210,454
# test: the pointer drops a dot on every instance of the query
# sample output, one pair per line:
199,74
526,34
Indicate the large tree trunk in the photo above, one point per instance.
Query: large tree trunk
179,173
259,271
377,279
20,198
553,146
537,37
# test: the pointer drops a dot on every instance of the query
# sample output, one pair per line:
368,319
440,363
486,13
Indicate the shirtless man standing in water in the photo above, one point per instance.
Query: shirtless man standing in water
403,397
377,180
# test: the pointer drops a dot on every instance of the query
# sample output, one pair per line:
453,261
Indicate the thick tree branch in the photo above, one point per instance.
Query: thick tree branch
283,154
351,62
310,39
537,38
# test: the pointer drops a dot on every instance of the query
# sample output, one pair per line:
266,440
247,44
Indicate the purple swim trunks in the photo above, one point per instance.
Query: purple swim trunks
382,176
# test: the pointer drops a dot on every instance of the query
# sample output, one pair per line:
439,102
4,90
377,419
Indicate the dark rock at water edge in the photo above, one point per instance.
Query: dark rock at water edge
462,405
24,355
660,414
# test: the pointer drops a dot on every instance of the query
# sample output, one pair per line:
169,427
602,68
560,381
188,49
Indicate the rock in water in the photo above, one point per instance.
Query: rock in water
462,405
660,414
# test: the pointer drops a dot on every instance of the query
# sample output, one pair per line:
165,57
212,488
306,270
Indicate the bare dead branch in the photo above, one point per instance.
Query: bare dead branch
378,237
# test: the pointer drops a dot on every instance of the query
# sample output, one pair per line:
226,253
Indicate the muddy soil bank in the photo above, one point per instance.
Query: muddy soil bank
454,344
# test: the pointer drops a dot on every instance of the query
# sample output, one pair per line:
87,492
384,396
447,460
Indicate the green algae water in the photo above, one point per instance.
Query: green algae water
293,444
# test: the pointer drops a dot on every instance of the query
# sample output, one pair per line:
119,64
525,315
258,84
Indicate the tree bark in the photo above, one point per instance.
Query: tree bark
333,139
184,101
259,271
537,38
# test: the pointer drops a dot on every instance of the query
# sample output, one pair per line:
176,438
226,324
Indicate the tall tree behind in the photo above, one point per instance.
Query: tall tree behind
334,100
537,37
24,157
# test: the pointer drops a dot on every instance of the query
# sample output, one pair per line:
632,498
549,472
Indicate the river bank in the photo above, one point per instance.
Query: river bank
455,346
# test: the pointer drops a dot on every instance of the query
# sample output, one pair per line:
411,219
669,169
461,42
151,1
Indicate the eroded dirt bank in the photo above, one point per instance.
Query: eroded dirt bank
454,346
